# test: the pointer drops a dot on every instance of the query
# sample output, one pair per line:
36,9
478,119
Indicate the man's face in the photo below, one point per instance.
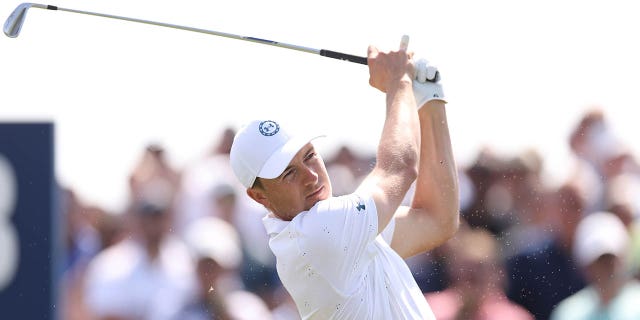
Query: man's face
300,186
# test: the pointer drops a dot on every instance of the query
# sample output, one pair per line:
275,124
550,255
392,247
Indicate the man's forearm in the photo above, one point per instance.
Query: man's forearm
437,182
398,147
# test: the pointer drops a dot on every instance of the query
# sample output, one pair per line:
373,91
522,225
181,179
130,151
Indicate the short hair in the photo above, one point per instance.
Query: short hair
257,184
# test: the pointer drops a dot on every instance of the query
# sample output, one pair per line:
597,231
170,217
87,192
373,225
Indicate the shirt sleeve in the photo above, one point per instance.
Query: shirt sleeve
336,236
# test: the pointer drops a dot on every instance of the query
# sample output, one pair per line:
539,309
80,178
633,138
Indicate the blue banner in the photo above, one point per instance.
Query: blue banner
27,221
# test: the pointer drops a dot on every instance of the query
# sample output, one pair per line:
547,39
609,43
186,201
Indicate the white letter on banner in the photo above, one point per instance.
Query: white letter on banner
8,235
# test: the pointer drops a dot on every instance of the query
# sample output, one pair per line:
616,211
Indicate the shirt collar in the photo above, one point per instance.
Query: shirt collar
273,224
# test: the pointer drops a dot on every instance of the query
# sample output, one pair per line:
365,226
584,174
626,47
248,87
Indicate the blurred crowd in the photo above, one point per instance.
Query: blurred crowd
191,245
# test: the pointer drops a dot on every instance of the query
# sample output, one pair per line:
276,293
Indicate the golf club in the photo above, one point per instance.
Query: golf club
14,23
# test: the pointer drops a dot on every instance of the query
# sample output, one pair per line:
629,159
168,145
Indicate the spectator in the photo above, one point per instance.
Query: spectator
597,150
82,240
199,180
153,169
623,201
601,247
146,276
215,246
82,243
592,139
543,274
476,289
483,175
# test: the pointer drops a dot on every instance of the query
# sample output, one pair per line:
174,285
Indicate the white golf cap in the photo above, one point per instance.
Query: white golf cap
264,148
598,234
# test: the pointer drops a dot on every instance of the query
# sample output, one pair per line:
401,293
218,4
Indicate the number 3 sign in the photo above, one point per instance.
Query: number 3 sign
30,245
8,236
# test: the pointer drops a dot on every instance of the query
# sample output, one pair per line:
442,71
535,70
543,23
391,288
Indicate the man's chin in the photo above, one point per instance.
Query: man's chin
313,199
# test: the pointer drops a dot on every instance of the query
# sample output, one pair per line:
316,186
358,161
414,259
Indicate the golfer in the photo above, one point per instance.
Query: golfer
343,257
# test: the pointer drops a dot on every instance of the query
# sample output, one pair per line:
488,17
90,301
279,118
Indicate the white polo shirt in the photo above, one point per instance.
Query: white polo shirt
335,266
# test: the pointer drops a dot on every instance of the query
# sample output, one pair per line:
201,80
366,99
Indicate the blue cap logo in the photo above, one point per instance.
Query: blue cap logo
268,128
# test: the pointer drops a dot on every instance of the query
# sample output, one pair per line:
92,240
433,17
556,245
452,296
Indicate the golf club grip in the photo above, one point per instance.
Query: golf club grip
343,56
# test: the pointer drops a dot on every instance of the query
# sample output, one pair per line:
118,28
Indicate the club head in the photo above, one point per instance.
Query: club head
14,22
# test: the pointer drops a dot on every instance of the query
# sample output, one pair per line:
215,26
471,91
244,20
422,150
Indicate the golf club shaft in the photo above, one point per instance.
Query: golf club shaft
322,52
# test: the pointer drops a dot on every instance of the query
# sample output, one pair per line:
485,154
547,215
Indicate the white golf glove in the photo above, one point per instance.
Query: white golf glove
426,83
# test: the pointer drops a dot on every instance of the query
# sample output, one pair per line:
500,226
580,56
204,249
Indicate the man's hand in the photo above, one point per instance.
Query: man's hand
387,70
426,83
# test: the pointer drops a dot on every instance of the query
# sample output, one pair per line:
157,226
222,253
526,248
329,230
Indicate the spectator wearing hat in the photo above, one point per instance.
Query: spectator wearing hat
601,248
215,246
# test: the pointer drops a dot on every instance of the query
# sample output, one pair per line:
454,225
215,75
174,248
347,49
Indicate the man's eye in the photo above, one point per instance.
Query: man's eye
311,155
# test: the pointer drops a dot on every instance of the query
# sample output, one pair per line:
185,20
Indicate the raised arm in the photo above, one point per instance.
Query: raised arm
397,154
433,216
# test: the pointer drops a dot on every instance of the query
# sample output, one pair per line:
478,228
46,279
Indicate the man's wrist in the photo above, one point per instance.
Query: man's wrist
400,84
424,92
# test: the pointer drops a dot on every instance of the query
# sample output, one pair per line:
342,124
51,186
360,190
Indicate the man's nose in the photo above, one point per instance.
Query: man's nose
310,175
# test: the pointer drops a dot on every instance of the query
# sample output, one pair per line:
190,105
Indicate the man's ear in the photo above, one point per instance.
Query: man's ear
258,196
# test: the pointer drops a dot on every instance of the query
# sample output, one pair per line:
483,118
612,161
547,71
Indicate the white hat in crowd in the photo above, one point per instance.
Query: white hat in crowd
264,148
598,234
214,238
